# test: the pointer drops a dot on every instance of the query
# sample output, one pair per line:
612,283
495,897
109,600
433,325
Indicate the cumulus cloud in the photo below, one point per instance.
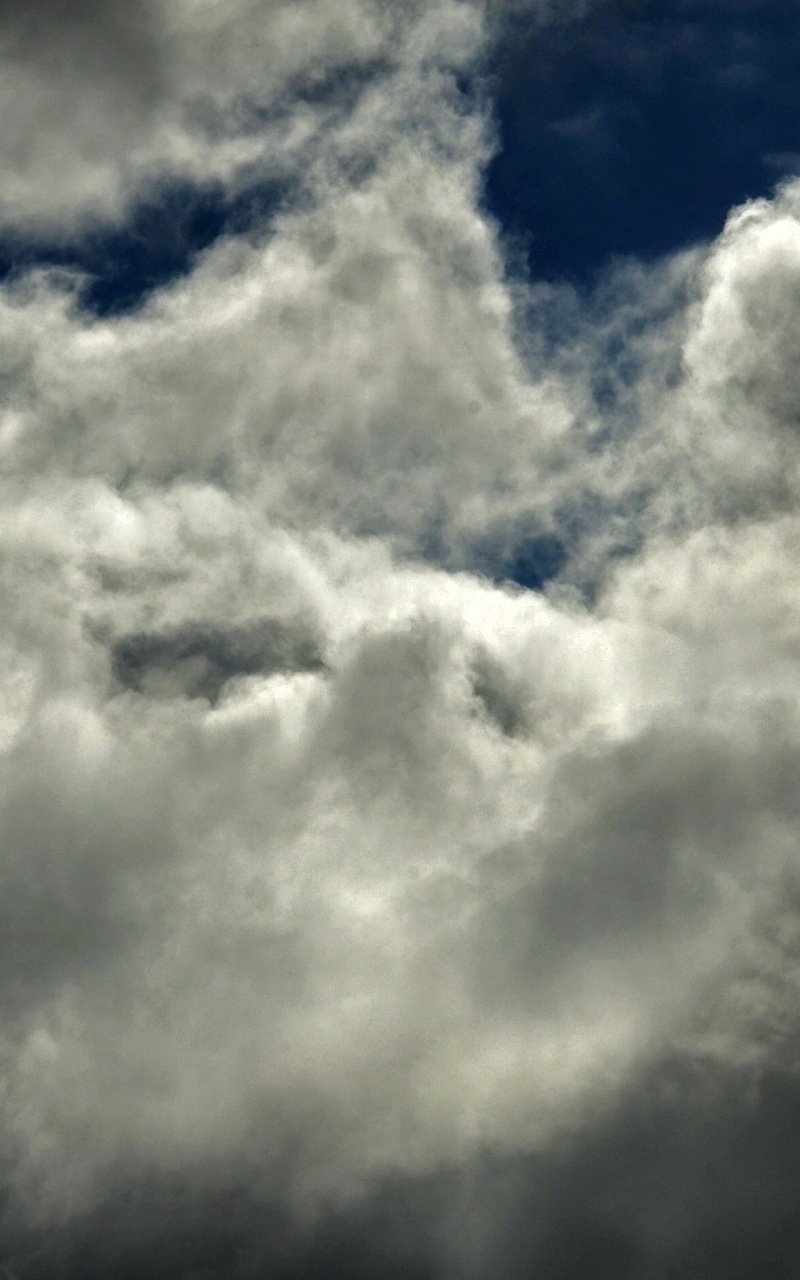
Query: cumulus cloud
361,908
100,101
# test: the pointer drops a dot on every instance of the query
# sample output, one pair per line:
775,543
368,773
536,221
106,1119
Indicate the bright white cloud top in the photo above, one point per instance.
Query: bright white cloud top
325,855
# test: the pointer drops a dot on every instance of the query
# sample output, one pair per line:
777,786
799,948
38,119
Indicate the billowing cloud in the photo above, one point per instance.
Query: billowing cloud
362,909
100,101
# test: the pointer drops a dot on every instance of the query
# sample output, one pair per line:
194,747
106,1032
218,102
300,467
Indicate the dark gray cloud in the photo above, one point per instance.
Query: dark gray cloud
691,1175
198,661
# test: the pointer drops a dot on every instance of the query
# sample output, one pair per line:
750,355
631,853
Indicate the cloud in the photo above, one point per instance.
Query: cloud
360,904
99,103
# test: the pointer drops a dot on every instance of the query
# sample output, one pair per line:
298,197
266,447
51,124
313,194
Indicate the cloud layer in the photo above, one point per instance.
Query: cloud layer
359,904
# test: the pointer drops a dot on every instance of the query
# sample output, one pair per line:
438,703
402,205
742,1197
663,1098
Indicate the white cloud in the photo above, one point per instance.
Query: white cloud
319,854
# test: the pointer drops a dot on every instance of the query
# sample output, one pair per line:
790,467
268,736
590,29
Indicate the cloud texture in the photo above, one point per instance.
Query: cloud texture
361,909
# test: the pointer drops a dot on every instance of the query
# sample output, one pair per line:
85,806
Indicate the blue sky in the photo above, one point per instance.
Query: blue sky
636,130
399,718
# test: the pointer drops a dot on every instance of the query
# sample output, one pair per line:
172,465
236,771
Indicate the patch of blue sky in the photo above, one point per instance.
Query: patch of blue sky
634,130
159,242
534,562
625,136
528,558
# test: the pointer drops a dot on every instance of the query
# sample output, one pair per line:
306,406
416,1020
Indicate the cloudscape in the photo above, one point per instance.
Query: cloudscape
400,632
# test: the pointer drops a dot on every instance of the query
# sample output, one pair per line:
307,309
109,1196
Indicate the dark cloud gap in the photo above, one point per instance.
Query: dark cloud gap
159,242
634,130
197,661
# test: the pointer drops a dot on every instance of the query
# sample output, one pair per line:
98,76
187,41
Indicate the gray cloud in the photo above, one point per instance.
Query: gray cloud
200,661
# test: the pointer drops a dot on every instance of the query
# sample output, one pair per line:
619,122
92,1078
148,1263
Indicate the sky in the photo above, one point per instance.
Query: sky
400,633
